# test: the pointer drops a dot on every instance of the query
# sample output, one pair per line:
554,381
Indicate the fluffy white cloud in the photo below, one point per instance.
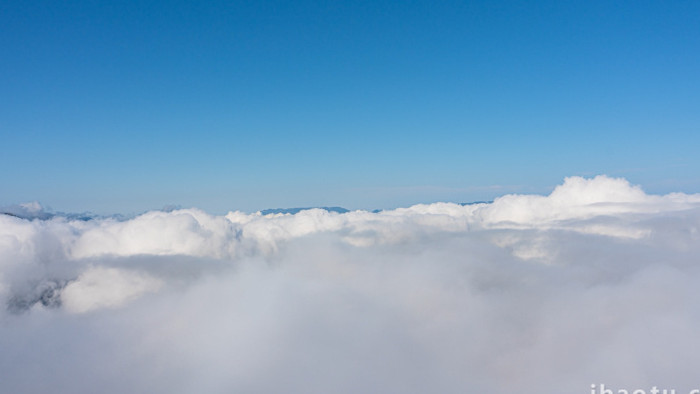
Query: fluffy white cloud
101,287
595,283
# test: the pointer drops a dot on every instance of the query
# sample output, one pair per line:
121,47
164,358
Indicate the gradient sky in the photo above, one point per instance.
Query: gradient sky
129,106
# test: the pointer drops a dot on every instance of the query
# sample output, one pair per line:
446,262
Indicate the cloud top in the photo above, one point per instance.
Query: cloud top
529,294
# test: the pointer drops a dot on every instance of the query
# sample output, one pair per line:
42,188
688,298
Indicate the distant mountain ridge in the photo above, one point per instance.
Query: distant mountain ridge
32,211
464,204
294,211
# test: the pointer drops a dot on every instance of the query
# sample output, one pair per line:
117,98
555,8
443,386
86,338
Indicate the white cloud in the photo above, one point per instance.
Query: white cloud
529,294
101,287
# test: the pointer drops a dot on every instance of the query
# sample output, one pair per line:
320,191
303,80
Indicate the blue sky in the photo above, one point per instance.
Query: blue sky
251,105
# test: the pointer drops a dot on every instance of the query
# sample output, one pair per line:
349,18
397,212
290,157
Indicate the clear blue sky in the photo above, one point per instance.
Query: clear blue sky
129,106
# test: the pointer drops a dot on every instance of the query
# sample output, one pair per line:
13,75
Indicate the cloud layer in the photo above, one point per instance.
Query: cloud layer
595,283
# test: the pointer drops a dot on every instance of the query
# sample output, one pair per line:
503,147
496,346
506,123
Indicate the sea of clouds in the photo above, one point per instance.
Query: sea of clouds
597,282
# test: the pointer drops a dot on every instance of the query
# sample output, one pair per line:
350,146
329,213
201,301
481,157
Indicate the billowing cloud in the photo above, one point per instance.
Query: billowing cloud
594,283
100,287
